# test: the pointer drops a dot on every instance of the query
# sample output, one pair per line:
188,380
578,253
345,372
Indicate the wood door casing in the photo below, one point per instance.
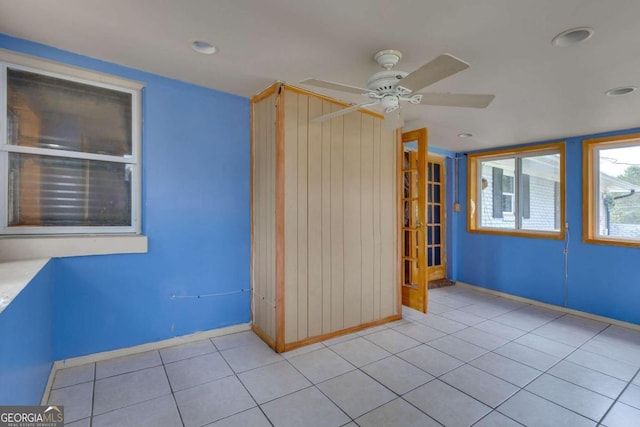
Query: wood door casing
436,220
412,176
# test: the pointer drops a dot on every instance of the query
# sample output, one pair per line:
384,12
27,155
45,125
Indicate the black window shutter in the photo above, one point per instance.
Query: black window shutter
497,192
526,197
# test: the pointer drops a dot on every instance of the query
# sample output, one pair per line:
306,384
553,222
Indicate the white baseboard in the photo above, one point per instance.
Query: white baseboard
552,306
47,389
157,345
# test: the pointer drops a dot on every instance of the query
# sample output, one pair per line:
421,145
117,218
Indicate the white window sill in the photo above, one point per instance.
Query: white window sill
40,247
14,276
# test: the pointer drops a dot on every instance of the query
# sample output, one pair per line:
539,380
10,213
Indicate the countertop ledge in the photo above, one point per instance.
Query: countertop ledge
15,275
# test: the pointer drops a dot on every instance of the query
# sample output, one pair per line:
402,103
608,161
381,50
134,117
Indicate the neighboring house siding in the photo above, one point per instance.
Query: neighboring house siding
508,220
542,205
602,221
542,202
618,229
625,230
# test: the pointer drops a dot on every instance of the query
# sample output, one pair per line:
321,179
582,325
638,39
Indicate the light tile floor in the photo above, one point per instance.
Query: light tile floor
475,359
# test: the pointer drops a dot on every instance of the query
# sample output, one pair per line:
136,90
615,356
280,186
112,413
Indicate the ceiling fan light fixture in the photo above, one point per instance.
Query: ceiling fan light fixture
204,47
465,135
390,103
572,36
620,91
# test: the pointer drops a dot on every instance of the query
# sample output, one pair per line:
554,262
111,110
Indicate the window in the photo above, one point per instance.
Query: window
69,148
518,191
612,190
507,193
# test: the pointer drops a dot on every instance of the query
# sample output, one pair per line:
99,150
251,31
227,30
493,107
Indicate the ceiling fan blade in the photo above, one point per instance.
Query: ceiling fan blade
334,86
456,100
393,120
441,67
344,111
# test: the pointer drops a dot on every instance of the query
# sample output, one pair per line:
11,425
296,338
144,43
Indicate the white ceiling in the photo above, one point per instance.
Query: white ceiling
542,92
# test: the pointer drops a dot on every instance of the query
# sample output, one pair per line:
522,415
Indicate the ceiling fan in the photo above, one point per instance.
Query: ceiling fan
389,88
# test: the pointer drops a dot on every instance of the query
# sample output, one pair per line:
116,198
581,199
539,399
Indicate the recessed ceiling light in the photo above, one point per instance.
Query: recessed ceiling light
204,47
572,36
619,91
465,135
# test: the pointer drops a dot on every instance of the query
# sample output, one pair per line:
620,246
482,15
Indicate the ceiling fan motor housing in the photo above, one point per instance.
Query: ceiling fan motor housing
385,81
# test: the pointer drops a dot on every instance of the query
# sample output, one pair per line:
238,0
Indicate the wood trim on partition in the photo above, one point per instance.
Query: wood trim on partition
589,220
399,219
280,308
266,93
252,105
301,91
318,338
263,336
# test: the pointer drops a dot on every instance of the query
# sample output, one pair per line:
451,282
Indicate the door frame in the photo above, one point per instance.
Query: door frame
421,136
443,214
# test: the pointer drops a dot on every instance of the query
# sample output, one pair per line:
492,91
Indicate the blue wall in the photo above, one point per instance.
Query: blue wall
27,341
195,212
602,279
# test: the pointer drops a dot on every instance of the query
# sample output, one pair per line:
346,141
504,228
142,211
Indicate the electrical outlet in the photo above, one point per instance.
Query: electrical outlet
456,207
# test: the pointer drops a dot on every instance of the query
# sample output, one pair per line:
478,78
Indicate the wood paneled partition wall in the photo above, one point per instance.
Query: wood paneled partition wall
324,219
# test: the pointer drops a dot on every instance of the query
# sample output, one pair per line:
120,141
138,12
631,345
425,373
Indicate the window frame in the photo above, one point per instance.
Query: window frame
473,185
12,60
591,185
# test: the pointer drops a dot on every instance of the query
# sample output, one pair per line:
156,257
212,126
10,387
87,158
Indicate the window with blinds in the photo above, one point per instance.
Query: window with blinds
71,150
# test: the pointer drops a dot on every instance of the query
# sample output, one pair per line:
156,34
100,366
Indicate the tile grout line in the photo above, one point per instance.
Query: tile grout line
129,405
417,321
577,385
526,385
521,388
173,395
364,372
258,405
93,396
315,385
417,367
618,398
500,413
532,331
438,377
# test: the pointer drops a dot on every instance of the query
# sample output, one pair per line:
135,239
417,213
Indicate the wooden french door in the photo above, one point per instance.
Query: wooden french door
436,259
413,179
